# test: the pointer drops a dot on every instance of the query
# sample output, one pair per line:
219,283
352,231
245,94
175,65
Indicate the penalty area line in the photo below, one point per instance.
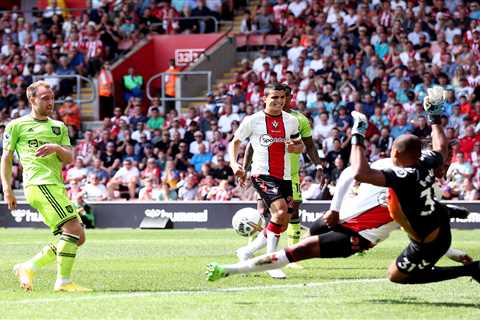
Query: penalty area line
94,296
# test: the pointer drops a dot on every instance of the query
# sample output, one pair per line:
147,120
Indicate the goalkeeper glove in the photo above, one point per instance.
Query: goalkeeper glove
359,129
433,104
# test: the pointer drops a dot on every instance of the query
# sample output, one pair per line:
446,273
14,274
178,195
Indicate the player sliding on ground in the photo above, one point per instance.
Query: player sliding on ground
273,134
293,230
363,225
358,219
43,145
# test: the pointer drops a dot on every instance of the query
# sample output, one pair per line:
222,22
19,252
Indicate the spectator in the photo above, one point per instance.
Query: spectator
194,147
105,91
64,69
137,117
170,84
78,172
402,127
247,25
189,190
221,192
171,175
166,193
70,115
205,187
222,171
263,20
155,120
149,191
126,177
132,84
322,127
99,170
468,192
201,157
459,170
141,131
469,140
422,130
225,121
310,190
94,190
151,171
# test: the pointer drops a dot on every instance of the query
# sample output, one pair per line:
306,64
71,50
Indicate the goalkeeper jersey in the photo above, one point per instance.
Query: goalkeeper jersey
25,135
305,131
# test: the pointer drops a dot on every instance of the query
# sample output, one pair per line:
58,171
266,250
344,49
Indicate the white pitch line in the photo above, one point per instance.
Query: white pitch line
94,296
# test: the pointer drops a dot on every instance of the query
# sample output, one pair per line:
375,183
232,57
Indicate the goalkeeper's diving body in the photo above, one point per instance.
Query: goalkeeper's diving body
43,145
362,227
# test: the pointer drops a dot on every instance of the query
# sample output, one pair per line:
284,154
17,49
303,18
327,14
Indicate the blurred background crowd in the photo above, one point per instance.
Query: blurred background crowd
376,57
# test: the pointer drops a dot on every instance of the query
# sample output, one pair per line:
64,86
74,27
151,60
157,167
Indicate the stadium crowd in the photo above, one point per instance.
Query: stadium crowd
377,57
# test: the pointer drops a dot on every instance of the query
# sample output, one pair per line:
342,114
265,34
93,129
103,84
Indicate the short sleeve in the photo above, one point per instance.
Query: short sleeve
65,138
10,137
295,128
431,159
305,129
244,131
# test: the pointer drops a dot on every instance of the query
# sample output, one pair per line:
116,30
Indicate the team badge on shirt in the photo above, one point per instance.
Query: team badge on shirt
56,130
275,124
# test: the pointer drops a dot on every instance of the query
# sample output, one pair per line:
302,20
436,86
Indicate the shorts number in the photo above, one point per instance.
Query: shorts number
429,204
409,266
297,186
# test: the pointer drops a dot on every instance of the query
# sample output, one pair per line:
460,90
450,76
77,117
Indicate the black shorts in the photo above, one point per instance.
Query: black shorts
271,189
340,242
418,257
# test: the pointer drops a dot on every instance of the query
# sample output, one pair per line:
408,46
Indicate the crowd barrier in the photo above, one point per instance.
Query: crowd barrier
185,215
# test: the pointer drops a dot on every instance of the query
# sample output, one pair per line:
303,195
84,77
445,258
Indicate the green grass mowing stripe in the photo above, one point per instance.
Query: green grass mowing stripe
140,294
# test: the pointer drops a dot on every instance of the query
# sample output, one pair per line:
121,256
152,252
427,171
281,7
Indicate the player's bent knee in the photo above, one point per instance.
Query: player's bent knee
395,276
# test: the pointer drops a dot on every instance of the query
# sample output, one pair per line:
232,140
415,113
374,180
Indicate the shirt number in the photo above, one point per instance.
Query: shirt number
429,204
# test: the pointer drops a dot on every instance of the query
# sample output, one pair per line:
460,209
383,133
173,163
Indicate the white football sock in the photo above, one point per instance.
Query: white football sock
258,243
272,241
265,262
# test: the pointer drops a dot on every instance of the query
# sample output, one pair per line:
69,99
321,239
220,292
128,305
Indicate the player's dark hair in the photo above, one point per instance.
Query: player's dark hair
288,90
273,87
409,145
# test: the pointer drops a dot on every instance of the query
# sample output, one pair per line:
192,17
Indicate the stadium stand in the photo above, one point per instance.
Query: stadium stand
378,57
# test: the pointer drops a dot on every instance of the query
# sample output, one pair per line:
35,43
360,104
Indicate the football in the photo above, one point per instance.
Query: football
247,221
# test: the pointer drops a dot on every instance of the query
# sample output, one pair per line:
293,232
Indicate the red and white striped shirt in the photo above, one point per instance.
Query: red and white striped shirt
268,135
93,48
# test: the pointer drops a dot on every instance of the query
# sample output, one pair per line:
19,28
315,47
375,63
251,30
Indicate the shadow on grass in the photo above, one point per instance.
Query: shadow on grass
413,301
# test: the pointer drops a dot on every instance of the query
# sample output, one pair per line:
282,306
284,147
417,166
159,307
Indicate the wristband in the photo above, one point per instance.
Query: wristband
358,140
435,118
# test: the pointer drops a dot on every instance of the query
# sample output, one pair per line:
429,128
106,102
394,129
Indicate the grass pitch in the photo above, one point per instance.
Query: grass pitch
140,274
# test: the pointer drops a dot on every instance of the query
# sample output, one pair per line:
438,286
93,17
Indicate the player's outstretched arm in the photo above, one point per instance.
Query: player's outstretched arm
6,176
361,169
433,105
